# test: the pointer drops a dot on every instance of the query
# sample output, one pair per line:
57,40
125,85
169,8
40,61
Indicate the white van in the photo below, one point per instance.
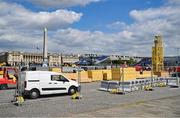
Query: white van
38,83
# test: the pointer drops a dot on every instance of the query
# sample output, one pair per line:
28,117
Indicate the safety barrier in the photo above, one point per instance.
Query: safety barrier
139,84
109,85
173,82
123,86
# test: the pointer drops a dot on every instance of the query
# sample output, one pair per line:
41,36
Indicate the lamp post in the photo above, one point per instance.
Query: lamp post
79,80
61,62
177,56
123,79
151,76
177,62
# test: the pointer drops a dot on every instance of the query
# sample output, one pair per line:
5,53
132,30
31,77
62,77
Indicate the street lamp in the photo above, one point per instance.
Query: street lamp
61,61
177,62
151,76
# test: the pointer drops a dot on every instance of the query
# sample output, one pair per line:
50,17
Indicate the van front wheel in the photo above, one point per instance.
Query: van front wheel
72,90
34,94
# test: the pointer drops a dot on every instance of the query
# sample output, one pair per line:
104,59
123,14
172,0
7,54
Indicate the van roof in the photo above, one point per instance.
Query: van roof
42,72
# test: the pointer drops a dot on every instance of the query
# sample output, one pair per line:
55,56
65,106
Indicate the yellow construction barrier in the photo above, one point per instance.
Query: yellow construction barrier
116,91
107,74
84,77
1,72
74,76
20,100
76,96
148,88
129,74
161,84
116,73
95,75
55,69
113,74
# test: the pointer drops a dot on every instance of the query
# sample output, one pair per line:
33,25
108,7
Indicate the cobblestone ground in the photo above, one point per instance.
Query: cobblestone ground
162,102
166,107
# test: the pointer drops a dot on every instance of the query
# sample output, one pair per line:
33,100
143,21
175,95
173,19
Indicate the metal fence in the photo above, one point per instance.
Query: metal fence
139,84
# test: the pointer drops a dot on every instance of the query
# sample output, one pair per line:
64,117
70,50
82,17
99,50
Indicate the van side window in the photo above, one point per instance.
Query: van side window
58,78
54,77
62,78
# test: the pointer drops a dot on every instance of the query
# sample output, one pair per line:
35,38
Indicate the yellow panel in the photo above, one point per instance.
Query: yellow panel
74,76
97,75
56,70
84,76
107,74
1,72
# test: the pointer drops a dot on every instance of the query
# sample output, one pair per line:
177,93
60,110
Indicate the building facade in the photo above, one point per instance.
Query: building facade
70,59
14,58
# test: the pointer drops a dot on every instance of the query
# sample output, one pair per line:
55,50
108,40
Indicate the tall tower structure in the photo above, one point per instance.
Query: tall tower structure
158,54
45,57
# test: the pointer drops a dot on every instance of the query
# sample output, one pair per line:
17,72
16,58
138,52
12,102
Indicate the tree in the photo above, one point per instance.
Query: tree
131,61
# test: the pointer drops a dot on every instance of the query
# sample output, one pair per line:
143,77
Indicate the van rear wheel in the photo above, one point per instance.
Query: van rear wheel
34,94
72,90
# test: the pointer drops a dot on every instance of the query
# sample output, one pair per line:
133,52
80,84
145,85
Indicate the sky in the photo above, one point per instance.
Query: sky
115,27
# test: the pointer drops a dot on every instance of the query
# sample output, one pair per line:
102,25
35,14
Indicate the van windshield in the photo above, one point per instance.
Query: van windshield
62,78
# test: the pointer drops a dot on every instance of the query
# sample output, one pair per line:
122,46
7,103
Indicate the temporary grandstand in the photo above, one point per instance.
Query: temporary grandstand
99,60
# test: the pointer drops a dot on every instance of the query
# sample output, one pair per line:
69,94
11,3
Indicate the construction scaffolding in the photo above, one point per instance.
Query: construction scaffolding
158,55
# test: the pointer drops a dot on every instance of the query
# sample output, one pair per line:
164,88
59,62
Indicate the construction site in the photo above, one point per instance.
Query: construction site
89,58
123,90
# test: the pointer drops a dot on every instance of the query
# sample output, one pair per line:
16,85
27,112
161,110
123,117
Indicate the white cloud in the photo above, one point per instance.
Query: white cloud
174,2
139,35
83,41
16,16
21,29
134,39
163,20
16,40
116,25
61,3
154,13
77,41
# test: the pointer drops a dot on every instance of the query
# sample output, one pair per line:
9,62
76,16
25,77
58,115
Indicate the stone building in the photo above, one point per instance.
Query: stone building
14,58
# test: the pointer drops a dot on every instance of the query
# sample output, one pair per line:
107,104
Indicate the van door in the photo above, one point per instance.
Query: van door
60,84
46,85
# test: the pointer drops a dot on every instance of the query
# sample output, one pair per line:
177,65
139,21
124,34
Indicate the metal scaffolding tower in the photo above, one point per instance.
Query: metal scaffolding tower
158,55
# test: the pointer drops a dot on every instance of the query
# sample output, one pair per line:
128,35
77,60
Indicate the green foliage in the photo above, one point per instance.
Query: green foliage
128,62
131,61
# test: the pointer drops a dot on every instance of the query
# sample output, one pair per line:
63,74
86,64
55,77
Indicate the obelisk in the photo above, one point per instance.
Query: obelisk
45,56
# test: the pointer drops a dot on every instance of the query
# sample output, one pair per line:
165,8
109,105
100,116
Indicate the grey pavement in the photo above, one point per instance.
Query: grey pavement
162,102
